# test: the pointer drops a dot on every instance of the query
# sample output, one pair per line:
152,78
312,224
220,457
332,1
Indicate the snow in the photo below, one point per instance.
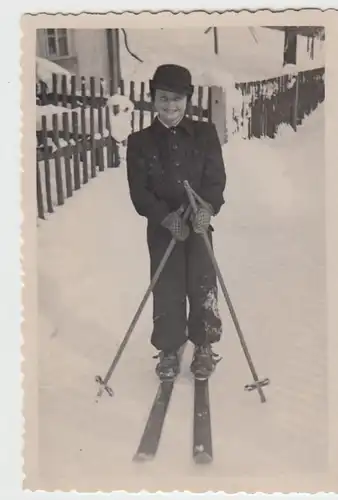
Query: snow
119,108
245,55
93,272
240,57
52,175
258,55
44,72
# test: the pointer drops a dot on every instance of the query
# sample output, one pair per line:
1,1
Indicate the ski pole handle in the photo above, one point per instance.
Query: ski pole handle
200,199
191,197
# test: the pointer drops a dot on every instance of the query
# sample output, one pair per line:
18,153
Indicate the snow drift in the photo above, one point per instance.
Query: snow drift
119,107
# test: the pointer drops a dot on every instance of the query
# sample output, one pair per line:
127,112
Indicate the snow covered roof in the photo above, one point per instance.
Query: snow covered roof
301,30
208,73
244,54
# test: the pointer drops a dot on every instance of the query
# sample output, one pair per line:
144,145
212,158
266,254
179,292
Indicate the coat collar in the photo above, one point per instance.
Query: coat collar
185,124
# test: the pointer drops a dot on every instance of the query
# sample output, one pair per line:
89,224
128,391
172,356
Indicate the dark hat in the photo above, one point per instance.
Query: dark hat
173,78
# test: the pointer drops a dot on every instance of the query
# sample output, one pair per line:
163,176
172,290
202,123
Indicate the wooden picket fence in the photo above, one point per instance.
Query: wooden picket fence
286,99
72,147
67,163
73,92
266,104
199,107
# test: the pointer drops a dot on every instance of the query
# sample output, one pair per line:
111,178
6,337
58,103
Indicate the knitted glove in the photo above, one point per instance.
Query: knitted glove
179,230
201,221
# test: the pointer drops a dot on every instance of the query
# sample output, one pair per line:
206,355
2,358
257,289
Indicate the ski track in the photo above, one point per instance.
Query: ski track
93,272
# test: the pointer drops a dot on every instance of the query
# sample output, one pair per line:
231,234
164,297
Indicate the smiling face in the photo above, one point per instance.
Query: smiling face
170,106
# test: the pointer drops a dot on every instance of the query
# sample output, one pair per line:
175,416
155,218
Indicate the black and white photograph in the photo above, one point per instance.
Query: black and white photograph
181,331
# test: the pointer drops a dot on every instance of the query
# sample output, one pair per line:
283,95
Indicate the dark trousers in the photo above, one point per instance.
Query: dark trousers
188,274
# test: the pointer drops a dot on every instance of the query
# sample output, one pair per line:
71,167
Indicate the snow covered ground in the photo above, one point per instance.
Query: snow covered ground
93,271
53,183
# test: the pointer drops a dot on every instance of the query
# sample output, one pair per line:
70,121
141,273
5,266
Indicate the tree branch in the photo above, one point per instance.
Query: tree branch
127,46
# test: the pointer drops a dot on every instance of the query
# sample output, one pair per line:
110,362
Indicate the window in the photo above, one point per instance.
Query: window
57,43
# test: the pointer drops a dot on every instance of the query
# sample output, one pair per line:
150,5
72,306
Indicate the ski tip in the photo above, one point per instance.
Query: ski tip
202,458
142,457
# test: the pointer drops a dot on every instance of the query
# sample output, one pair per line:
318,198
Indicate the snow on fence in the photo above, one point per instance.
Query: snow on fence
143,114
287,99
80,129
69,157
256,109
72,92
76,139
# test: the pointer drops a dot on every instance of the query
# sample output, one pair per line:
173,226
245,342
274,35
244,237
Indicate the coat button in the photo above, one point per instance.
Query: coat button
177,164
174,146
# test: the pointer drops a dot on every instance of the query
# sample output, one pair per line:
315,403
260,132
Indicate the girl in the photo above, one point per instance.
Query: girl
160,157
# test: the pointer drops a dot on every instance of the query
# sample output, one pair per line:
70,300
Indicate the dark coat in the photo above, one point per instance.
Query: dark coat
160,159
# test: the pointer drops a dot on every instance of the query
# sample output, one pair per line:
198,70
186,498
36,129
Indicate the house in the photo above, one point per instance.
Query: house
260,51
303,44
83,52
245,53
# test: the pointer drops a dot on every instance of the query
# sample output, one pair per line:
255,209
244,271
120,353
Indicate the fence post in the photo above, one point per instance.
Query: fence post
218,112
39,199
295,105
46,164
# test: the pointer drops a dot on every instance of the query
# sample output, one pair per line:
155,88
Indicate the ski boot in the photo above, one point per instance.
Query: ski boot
168,366
204,362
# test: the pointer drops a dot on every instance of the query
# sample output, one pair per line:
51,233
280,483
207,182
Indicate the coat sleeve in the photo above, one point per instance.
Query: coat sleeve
214,176
145,202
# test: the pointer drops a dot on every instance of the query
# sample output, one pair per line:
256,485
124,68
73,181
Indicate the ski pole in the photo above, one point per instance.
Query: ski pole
258,384
104,381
